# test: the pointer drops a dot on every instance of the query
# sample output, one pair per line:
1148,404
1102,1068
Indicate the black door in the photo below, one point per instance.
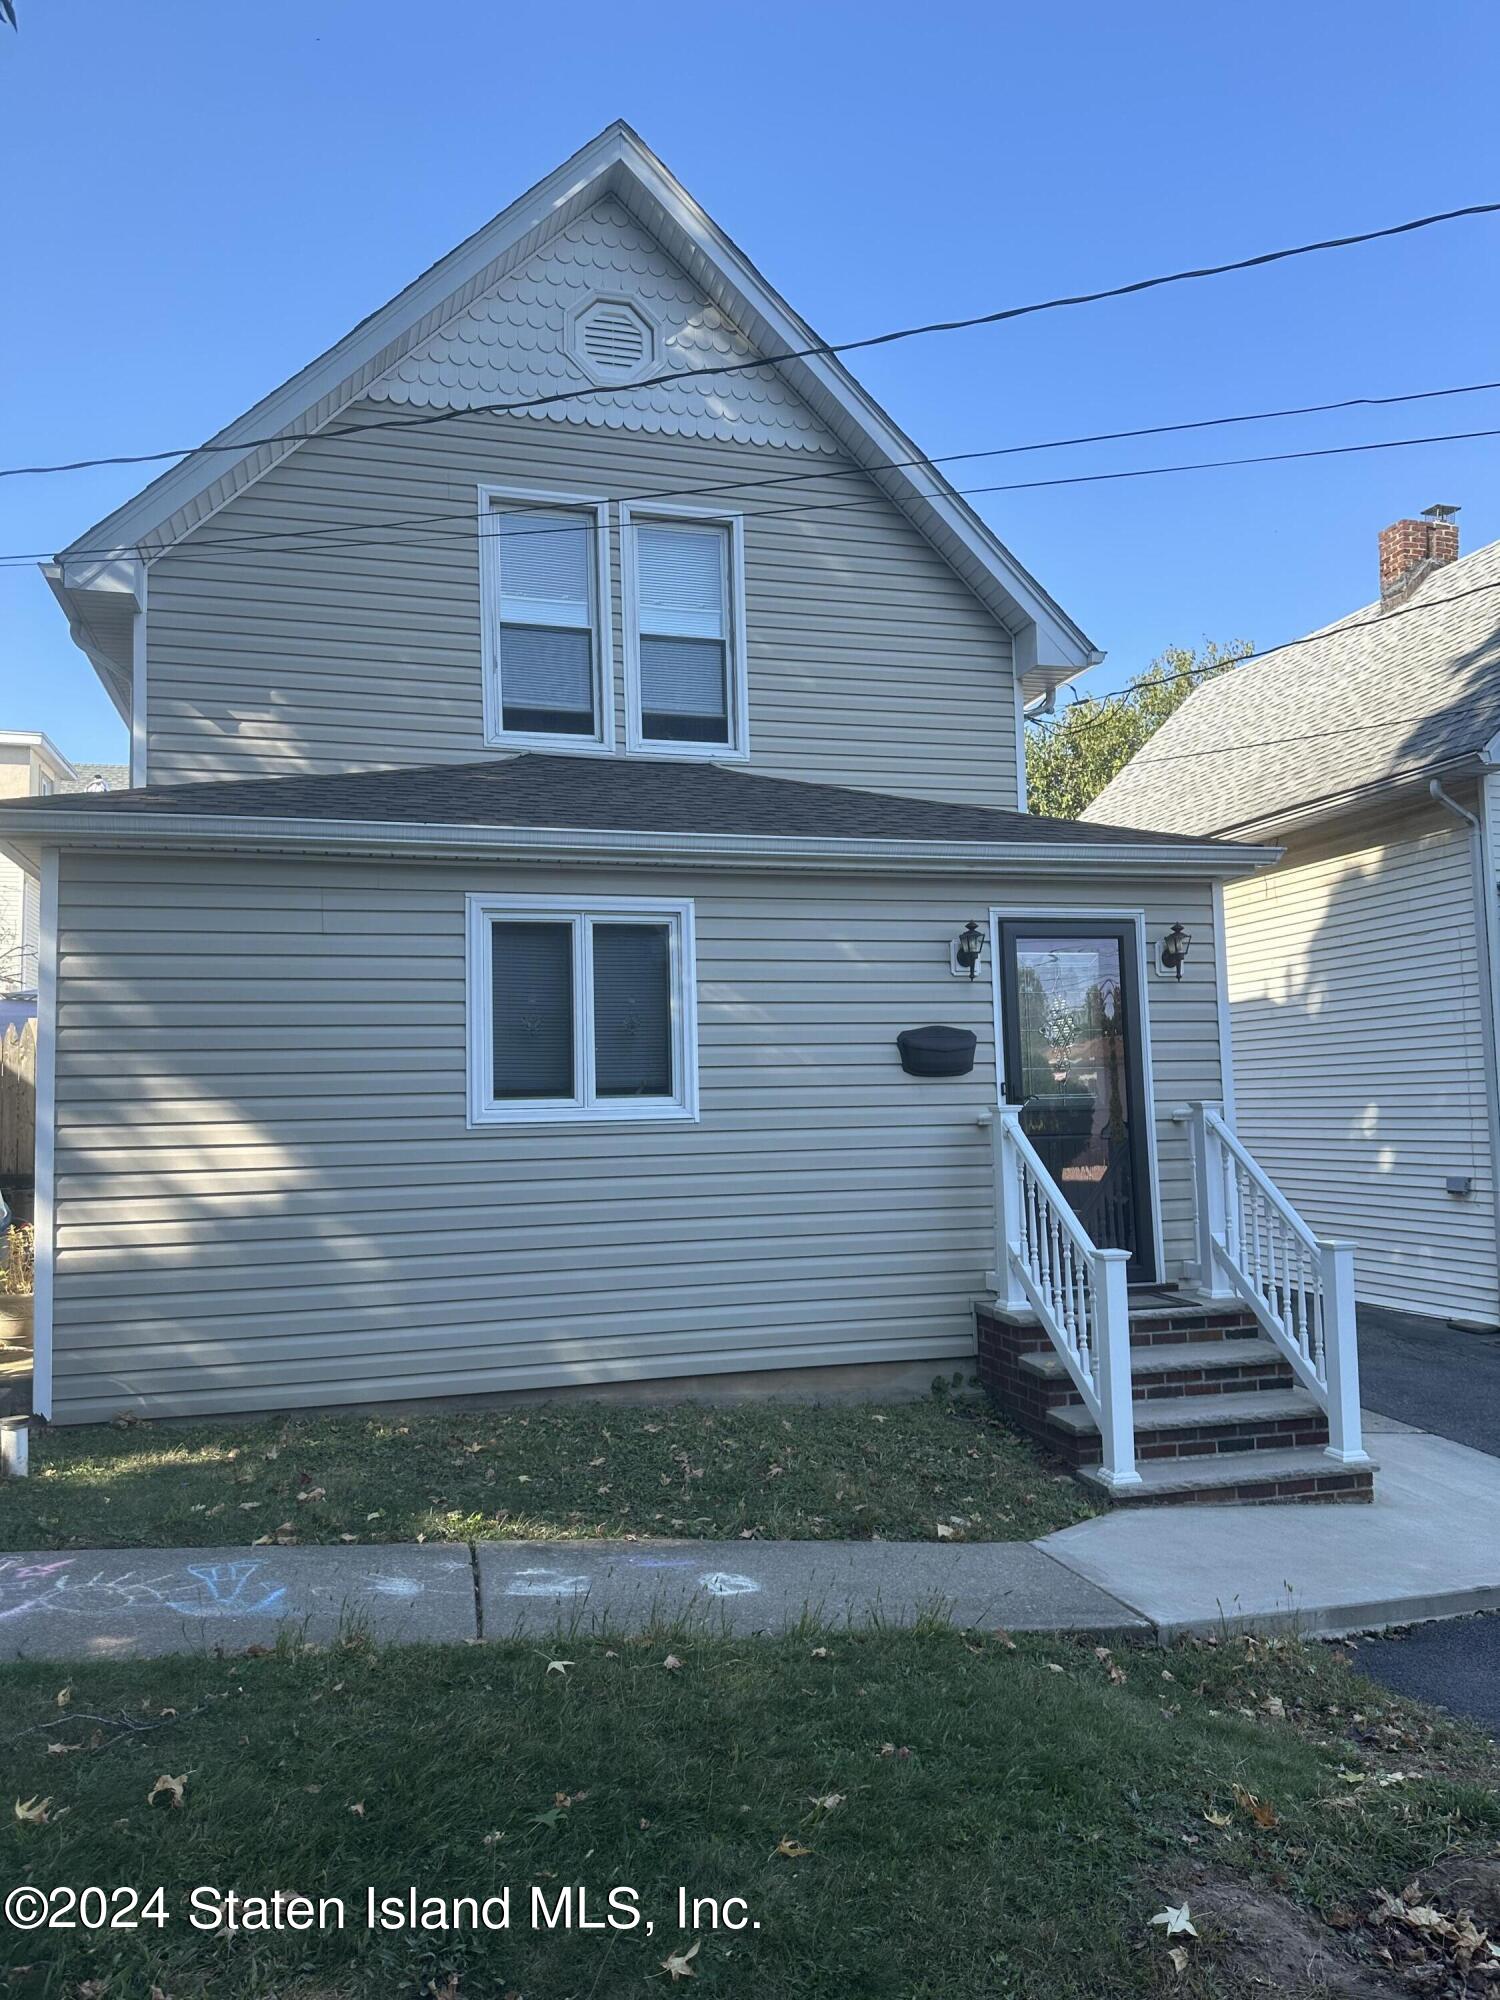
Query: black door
1070,1005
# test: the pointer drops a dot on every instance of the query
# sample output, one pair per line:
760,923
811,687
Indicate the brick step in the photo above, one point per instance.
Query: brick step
1153,1326
1186,1368
1307,1474
1201,1426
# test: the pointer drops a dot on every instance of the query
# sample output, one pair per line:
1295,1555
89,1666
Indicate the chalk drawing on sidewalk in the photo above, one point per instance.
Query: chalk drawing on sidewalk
545,1583
198,1590
24,1586
394,1586
229,1590
723,1583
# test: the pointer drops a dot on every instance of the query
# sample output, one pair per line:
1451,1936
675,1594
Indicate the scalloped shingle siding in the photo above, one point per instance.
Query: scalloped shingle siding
513,344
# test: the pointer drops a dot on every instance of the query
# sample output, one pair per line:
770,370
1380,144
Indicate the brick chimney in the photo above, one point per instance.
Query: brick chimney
1411,550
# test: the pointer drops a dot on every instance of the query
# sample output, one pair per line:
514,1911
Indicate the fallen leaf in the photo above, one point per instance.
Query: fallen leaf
792,1850
62,1749
945,1533
671,1663
559,1666
312,1493
820,1652
1003,1638
174,1789
33,1812
1275,1707
1178,1958
1219,1819
829,1802
1260,1810
1176,1923
358,1810
64,1696
676,1963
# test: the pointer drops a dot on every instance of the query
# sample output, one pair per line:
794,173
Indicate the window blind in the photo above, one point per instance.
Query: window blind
632,1010
532,1009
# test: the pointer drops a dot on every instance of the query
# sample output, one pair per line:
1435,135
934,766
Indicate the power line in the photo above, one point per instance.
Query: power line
1201,676
817,349
253,537
319,540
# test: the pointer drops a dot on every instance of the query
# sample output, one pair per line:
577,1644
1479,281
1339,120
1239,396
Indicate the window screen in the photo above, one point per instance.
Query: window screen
546,567
632,1010
682,595
532,1003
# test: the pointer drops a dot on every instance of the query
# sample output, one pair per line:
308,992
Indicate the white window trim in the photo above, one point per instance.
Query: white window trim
738,746
496,735
485,1110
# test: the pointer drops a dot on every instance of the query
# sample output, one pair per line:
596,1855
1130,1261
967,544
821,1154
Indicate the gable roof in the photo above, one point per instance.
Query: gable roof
100,591
632,798
1380,698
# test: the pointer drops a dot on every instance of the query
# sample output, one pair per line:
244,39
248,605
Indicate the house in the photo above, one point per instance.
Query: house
33,767
1362,969
575,917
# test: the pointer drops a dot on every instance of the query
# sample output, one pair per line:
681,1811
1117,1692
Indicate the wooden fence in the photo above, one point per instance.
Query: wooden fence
18,1104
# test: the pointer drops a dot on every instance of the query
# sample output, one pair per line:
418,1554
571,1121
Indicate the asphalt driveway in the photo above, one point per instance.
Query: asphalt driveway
1430,1375
1427,1374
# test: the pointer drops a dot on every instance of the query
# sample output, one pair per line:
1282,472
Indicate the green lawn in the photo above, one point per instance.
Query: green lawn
764,1469
920,1815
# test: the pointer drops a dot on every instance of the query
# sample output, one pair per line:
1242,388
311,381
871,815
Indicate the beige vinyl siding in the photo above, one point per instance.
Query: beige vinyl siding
869,662
1357,1002
267,1194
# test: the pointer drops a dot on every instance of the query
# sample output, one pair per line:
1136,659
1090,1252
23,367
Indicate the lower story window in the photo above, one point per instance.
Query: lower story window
580,1010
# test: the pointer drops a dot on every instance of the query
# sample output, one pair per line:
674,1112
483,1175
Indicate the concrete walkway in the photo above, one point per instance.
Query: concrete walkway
1428,1547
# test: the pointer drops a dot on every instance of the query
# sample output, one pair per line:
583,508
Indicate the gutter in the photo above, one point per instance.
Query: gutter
246,833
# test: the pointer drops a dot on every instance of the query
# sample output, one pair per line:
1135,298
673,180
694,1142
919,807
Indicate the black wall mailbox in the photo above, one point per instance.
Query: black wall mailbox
936,1051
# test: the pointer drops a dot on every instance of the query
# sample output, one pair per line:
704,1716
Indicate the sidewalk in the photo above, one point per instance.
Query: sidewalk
1428,1547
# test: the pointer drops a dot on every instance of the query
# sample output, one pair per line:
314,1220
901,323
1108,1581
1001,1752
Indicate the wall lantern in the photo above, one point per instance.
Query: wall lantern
1173,949
966,950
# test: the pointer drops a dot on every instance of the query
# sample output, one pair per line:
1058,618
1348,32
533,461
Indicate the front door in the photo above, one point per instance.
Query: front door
1070,1042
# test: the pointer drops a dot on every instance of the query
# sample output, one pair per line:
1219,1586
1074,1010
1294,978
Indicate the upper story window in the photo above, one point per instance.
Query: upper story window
544,593
684,632
580,1011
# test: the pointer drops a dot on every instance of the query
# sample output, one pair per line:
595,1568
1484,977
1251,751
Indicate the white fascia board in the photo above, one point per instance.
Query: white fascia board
114,673
619,162
46,749
382,838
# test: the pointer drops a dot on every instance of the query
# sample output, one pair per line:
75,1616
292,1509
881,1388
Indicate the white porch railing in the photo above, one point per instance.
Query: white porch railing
1047,1263
1253,1245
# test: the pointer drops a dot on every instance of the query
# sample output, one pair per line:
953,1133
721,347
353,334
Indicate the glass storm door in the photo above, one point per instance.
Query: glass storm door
1070,1037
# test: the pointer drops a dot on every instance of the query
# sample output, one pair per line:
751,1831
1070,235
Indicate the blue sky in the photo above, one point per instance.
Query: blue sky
204,197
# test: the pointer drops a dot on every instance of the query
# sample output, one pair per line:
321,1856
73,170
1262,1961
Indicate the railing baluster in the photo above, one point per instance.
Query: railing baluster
1076,1290
1256,1246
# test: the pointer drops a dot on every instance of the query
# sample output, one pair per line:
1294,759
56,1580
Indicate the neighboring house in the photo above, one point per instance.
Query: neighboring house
1362,970
32,767
561,789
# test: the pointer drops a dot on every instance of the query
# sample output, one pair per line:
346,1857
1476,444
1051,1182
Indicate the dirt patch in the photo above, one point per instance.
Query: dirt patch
1264,1943
1463,1883
1430,1939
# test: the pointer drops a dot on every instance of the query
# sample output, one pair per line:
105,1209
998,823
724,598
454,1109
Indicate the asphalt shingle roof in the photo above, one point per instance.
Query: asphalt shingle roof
1372,698
595,794
97,778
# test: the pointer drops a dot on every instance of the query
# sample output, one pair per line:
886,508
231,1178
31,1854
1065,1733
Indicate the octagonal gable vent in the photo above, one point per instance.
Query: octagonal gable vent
614,342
